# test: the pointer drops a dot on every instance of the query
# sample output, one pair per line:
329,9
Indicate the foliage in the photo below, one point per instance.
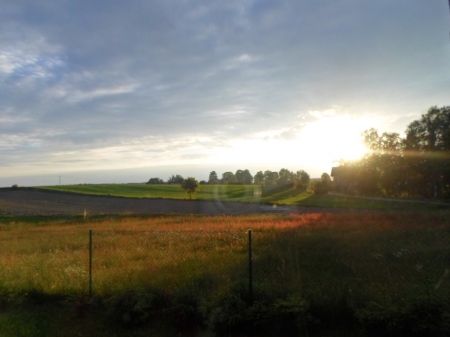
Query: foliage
228,178
276,317
213,178
326,179
310,270
190,185
244,177
15,187
319,188
175,179
415,166
270,178
243,193
323,186
418,317
155,181
131,307
285,177
301,180
259,178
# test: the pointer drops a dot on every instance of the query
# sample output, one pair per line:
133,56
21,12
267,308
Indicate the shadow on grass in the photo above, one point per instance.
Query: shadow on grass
346,277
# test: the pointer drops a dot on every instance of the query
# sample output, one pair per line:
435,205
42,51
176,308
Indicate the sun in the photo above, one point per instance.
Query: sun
334,138
316,147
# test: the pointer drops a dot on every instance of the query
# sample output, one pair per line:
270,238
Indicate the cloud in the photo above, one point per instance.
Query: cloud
324,113
160,78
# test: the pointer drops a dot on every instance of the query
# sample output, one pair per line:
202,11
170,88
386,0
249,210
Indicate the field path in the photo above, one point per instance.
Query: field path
38,202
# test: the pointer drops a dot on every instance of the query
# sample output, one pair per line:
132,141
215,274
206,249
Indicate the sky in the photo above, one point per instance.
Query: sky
122,91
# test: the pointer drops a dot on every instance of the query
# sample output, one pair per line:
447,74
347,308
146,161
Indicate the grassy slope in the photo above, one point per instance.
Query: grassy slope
246,193
205,192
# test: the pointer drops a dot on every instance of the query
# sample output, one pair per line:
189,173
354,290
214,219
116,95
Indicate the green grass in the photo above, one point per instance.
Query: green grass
337,201
205,192
248,193
337,263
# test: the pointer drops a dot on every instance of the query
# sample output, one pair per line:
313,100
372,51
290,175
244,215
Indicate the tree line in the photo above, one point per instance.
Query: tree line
417,165
300,179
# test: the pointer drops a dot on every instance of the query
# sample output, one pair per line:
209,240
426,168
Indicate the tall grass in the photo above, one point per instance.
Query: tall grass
164,251
335,262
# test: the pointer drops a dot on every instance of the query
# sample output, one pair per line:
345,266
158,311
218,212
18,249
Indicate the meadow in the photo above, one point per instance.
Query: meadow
248,194
313,274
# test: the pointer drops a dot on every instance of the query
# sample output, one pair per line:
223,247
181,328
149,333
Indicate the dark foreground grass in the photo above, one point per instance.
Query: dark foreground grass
313,275
354,202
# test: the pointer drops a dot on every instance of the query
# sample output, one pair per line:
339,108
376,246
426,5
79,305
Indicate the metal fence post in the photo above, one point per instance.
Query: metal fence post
90,262
250,268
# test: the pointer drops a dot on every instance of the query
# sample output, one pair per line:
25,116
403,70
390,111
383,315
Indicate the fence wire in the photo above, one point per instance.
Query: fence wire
358,266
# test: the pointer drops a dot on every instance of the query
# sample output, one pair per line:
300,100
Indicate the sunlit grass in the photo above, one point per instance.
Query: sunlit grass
336,262
205,192
249,194
307,253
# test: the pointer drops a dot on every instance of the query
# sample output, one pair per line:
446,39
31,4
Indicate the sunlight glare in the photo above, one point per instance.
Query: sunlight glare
335,138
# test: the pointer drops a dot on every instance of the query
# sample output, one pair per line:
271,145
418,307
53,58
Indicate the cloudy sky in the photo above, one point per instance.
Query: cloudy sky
121,91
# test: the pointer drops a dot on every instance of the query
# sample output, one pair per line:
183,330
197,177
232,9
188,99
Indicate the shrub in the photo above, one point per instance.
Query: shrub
155,181
418,318
320,188
187,312
15,187
130,308
264,318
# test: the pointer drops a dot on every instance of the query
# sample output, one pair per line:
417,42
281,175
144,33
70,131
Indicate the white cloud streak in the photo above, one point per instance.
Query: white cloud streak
175,82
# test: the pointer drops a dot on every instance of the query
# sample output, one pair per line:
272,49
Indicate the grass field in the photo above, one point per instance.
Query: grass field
247,194
328,271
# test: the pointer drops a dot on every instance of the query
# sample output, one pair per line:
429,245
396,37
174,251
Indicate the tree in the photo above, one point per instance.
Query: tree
418,165
302,180
270,178
244,177
383,170
175,179
228,178
155,181
190,185
213,178
326,179
285,177
259,178
427,152
323,186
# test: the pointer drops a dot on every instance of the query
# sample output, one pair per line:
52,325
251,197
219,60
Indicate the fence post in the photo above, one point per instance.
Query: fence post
90,263
250,268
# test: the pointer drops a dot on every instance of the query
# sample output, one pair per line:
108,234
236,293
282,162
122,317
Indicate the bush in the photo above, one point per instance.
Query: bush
418,318
320,188
131,308
301,186
155,181
265,318
15,187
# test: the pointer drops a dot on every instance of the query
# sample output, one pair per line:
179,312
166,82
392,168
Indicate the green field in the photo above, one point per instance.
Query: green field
322,274
247,194
205,192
